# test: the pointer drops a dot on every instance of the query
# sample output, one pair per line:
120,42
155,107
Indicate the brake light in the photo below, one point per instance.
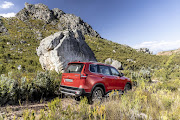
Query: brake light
83,75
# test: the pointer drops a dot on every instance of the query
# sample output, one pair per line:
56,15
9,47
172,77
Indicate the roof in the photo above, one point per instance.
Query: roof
90,62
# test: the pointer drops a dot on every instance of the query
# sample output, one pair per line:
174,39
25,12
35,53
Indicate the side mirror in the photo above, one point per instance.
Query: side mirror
121,74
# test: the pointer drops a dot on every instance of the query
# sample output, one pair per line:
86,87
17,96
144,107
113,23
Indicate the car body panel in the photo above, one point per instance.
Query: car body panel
86,80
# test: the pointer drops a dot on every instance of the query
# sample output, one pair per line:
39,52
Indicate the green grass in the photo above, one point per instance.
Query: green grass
14,54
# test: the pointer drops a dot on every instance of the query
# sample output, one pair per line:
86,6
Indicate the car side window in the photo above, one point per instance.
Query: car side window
114,71
104,70
93,68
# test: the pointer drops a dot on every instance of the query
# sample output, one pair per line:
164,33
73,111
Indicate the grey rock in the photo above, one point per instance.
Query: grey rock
23,41
39,38
57,13
12,49
144,50
39,35
2,27
60,26
57,50
8,43
37,11
130,60
72,22
114,63
56,17
19,67
23,14
114,51
109,61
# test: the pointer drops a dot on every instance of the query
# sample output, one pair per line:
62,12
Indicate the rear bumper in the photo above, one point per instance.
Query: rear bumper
73,91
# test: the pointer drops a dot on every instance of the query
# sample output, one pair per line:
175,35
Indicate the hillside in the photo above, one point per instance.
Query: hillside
18,47
155,93
171,52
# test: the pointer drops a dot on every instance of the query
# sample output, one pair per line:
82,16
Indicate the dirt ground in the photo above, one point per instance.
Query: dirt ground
17,110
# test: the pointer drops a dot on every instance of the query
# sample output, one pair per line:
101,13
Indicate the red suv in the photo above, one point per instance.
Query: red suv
92,79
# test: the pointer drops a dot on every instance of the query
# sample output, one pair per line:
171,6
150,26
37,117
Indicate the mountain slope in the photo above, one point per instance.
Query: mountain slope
169,52
18,47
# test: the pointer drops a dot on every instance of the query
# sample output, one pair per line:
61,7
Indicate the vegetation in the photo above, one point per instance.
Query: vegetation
147,101
104,49
17,86
155,95
19,47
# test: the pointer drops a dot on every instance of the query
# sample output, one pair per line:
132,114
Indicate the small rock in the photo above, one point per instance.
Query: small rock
23,41
8,43
114,63
12,49
19,67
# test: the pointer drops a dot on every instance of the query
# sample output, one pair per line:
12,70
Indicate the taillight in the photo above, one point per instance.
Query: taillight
83,75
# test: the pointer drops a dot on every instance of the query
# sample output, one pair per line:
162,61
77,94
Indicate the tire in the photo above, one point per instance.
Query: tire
77,98
97,94
62,95
127,87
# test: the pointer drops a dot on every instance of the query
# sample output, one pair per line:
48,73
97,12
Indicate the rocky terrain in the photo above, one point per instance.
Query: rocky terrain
23,34
144,50
171,52
56,17
56,38
2,28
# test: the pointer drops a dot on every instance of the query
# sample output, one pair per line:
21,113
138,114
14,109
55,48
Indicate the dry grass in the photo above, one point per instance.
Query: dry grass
147,101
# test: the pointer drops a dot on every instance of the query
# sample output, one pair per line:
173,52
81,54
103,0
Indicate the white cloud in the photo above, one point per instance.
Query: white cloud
157,46
12,14
6,5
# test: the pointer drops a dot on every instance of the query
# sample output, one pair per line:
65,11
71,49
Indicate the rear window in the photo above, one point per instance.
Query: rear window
74,68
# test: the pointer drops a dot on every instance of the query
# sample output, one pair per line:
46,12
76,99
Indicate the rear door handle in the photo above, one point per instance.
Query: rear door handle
103,77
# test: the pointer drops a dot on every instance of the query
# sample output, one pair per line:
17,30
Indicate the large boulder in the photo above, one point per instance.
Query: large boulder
57,50
114,63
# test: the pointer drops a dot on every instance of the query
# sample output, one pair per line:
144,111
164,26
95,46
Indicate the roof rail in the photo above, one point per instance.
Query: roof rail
99,62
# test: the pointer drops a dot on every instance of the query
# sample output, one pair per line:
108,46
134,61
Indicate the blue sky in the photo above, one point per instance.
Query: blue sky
154,24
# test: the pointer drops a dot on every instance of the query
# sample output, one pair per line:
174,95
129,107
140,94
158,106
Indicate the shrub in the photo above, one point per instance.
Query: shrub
19,86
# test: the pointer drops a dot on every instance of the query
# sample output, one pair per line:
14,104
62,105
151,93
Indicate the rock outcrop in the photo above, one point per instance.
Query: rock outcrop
56,16
144,50
2,28
114,63
57,50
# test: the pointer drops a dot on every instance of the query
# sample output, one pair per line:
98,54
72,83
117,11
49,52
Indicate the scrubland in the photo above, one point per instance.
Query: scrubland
156,80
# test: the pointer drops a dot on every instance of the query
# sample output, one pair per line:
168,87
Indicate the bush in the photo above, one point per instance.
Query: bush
47,83
17,86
